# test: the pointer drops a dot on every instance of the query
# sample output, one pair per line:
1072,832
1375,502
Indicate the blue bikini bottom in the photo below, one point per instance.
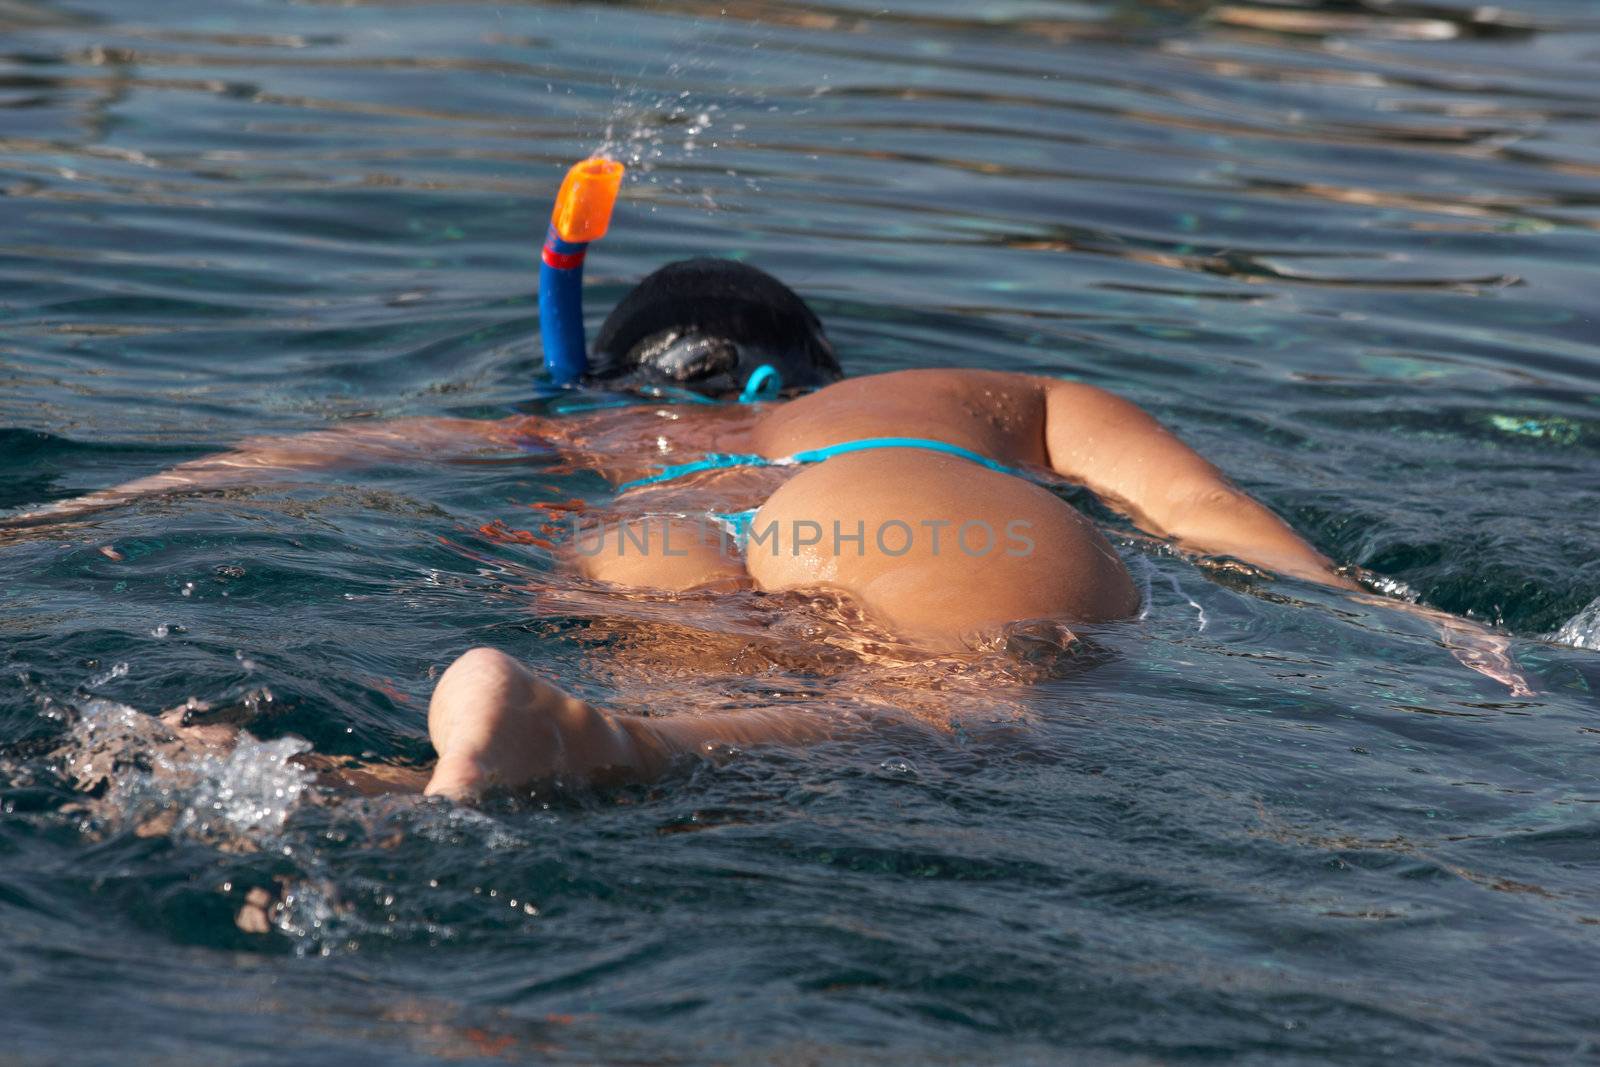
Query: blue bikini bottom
739,521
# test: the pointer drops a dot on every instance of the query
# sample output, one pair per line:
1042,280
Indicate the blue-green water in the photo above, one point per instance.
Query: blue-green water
1348,250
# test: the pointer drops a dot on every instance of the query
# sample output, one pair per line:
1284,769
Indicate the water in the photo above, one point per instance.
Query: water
1348,250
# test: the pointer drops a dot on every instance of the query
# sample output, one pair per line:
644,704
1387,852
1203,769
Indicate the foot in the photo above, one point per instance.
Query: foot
495,725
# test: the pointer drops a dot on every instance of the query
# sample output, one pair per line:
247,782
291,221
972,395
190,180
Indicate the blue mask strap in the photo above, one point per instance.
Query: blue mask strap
576,406
765,383
676,392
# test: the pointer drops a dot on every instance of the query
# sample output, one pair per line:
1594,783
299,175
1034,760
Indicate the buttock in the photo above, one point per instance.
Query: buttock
935,546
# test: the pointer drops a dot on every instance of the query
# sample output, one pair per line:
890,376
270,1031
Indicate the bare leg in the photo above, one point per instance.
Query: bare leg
494,724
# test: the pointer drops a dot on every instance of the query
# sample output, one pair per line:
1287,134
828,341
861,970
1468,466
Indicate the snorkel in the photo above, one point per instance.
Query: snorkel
697,330
582,214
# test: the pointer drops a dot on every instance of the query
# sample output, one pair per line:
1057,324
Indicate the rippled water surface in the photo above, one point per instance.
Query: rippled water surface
1347,249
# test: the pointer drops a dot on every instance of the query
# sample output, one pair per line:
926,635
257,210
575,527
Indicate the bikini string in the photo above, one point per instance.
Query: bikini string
726,460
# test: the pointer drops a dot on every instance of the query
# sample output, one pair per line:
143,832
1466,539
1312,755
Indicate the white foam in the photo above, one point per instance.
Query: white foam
250,790
1392,587
1582,630
208,791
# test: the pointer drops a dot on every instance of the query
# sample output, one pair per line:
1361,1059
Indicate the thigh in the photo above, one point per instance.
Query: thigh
655,552
935,546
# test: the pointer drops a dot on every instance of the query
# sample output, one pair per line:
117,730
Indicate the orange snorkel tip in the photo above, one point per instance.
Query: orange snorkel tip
588,193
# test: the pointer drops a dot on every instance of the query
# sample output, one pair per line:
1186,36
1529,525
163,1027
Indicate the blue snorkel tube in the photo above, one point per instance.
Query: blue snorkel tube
582,214
561,309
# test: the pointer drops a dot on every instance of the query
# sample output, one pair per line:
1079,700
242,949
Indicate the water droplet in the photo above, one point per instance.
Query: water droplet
896,767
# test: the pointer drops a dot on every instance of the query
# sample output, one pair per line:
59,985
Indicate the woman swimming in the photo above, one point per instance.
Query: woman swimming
915,494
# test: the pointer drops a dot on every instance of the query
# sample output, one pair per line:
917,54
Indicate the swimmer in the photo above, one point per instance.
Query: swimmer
940,459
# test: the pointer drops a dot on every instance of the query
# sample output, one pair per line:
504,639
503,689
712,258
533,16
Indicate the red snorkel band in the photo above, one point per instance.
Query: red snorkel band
562,255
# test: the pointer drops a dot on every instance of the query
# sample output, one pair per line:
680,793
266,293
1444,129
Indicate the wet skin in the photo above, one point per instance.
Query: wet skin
493,723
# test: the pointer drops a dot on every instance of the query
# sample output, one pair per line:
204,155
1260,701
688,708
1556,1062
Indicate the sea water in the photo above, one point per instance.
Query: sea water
1346,251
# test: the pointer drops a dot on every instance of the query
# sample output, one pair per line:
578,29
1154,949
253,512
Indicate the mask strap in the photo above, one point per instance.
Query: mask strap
676,392
765,383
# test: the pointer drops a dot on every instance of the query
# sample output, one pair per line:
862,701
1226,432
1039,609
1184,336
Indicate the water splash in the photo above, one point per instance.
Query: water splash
645,134
658,135
251,790
158,781
1582,630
